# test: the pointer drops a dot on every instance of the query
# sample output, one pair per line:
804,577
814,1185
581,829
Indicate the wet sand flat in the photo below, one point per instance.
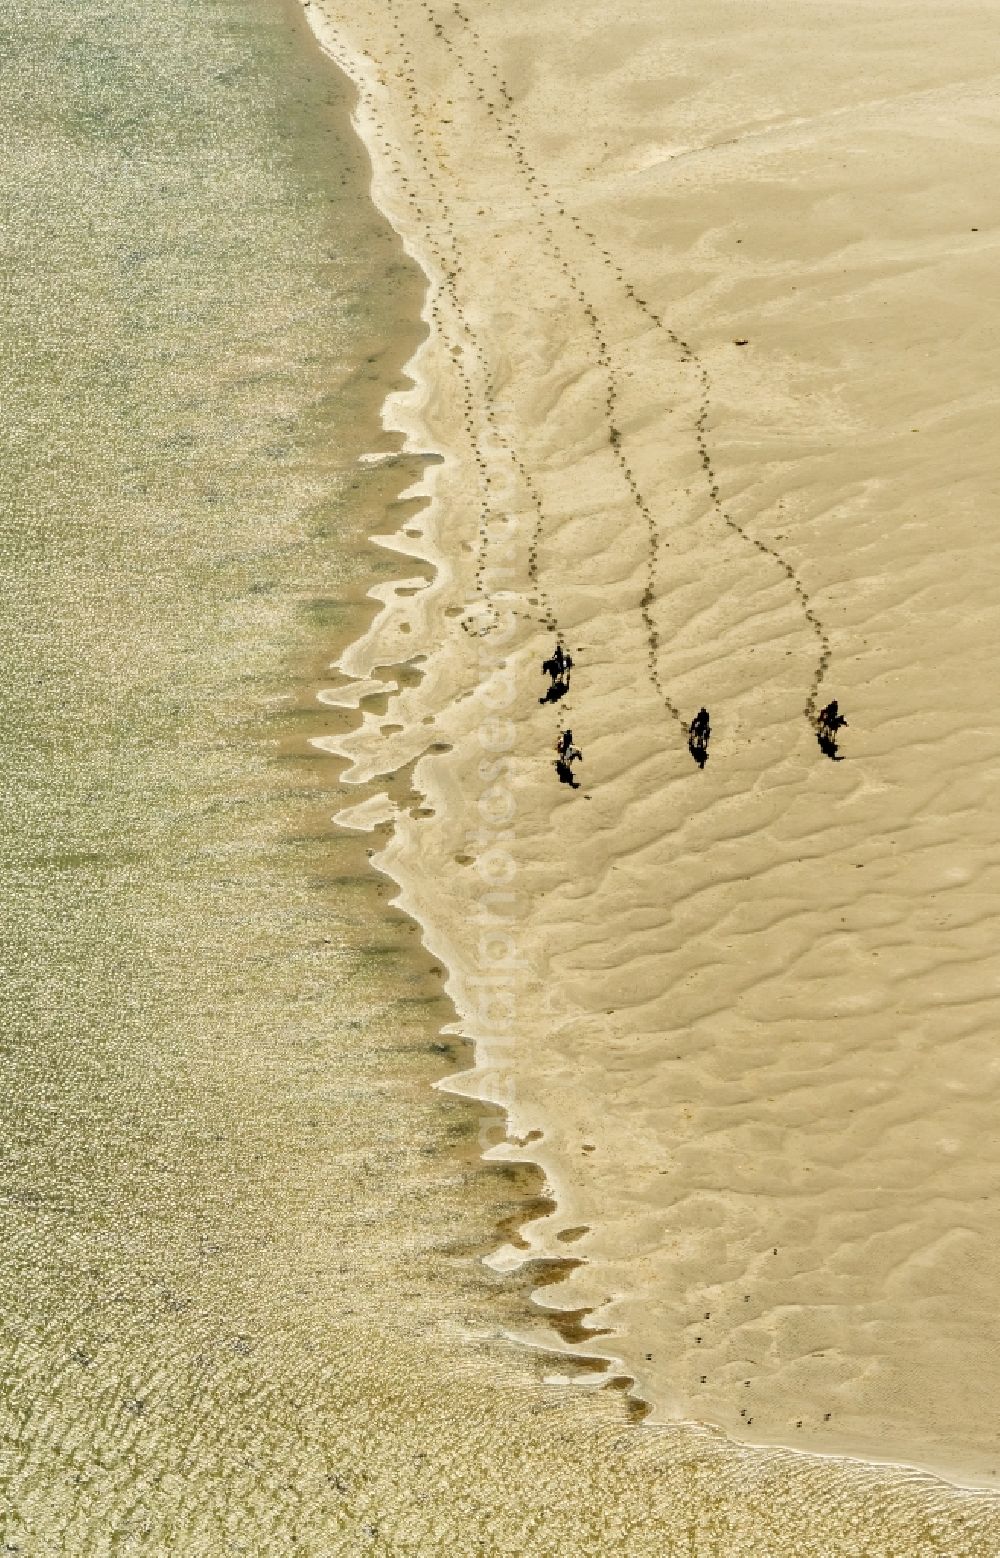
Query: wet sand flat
712,324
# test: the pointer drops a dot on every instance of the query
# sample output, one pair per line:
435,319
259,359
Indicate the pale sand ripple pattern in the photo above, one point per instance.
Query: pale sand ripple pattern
757,1010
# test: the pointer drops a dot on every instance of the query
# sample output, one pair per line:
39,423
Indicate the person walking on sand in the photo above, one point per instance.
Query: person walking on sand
566,755
699,732
557,668
828,721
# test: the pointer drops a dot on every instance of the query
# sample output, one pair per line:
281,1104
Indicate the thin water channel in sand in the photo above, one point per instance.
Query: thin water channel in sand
240,1309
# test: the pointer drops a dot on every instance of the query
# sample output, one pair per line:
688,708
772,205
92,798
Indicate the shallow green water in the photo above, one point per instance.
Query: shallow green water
183,303
196,981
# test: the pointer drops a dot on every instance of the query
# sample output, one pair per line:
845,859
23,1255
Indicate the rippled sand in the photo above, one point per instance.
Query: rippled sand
711,370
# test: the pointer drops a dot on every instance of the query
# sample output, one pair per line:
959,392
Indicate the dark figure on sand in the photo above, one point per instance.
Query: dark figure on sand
566,755
557,669
699,731
828,722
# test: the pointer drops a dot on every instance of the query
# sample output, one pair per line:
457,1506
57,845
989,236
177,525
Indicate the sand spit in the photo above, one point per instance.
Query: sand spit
711,371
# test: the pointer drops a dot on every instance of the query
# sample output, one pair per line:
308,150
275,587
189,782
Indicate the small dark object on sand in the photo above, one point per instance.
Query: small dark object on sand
699,732
828,722
557,668
566,755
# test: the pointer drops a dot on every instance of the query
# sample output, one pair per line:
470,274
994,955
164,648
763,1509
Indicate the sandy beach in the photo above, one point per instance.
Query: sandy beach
261,1293
711,306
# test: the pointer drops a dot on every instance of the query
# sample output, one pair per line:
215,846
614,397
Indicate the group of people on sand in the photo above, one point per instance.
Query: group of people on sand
558,667
828,722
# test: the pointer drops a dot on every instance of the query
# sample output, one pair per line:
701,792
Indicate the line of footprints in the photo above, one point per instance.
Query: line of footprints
559,667
827,721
